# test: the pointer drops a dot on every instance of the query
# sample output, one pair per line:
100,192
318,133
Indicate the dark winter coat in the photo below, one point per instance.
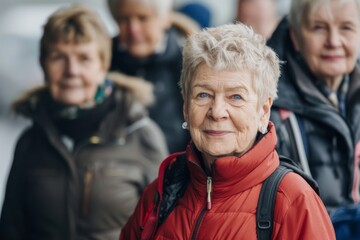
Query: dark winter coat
311,131
163,71
89,192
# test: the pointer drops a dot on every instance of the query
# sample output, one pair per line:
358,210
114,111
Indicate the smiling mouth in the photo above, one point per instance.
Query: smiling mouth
215,133
68,85
332,58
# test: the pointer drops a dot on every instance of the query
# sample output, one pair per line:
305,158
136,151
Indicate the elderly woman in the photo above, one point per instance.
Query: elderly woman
79,170
318,110
261,15
210,191
149,46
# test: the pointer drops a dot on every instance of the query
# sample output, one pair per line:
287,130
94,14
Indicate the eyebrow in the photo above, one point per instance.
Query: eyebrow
232,88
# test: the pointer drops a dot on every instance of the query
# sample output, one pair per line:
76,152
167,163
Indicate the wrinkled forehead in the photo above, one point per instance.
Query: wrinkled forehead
229,77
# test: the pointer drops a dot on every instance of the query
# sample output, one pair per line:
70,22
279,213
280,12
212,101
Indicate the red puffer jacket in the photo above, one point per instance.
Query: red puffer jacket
231,211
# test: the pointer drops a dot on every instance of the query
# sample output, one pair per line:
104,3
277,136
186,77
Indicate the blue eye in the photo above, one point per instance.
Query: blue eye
236,97
203,95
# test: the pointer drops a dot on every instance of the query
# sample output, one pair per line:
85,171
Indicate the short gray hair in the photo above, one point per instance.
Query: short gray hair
231,47
301,10
162,7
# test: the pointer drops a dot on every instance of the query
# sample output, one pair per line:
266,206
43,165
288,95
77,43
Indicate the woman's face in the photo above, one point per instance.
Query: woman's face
259,14
223,112
74,72
141,28
329,41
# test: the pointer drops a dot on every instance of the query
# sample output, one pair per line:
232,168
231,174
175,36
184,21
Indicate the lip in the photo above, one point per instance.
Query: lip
69,87
216,133
332,57
66,85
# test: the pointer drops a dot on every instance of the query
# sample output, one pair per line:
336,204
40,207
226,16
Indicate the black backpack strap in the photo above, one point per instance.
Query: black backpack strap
288,163
175,182
266,203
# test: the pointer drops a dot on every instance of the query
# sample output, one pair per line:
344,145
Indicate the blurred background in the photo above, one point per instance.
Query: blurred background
20,30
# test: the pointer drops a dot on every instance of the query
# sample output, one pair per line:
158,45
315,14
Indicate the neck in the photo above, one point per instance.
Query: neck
333,83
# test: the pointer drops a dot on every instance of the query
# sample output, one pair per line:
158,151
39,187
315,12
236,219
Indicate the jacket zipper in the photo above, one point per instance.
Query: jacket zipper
206,208
88,179
208,192
88,175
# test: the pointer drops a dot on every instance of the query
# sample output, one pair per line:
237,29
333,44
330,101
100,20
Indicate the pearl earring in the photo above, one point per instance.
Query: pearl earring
184,125
263,129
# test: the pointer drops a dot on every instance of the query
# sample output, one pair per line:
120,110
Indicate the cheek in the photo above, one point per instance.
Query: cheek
95,69
311,49
156,32
196,116
246,122
52,73
352,49
152,37
310,44
92,85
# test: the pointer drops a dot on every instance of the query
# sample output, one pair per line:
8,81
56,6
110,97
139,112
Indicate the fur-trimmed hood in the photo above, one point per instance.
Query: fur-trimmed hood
142,90
184,24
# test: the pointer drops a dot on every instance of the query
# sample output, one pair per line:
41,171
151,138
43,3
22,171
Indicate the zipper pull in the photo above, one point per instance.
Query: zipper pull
209,190
88,179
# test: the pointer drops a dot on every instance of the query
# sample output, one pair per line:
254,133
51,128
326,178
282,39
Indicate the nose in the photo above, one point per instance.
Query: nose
334,39
72,67
134,27
218,109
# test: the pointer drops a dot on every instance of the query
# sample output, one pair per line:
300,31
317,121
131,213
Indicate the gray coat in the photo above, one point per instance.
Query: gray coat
87,192
311,131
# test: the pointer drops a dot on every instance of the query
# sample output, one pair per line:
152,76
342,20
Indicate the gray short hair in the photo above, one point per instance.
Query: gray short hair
231,47
162,7
301,10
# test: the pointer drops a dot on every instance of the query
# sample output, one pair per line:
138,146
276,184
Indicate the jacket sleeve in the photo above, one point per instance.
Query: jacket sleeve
306,218
134,226
154,147
12,221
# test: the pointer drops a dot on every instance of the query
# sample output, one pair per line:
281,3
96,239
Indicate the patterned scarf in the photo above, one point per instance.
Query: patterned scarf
72,112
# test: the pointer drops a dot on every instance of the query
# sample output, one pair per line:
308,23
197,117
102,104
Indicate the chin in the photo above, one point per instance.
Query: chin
72,102
140,53
221,153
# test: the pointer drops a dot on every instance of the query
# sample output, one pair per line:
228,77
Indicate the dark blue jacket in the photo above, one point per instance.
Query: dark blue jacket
313,132
163,70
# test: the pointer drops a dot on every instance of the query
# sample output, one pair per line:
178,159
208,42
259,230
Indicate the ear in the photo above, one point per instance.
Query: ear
265,109
294,39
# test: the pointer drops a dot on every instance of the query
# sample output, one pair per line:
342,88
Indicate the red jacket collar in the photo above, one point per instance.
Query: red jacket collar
232,175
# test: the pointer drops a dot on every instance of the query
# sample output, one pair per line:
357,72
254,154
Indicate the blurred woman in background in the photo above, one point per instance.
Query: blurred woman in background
149,46
318,110
79,170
